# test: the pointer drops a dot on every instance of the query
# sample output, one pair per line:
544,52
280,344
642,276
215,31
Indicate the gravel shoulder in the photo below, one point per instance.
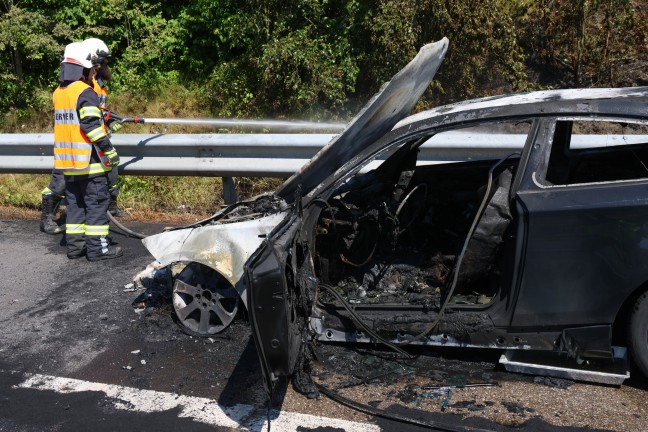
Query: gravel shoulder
419,389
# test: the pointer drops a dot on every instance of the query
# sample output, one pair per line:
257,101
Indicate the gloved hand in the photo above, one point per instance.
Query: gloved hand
115,125
113,157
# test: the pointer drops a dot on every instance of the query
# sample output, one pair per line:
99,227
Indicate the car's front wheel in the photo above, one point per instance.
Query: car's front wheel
638,334
205,303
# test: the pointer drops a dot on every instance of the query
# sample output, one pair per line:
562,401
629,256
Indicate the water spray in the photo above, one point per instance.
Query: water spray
229,123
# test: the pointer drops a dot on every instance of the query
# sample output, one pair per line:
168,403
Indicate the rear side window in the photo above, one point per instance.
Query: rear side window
592,152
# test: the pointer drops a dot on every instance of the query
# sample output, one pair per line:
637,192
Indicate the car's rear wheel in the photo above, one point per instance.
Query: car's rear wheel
205,303
638,333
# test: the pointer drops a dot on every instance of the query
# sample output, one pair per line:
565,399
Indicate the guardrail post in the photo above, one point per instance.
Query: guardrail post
229,190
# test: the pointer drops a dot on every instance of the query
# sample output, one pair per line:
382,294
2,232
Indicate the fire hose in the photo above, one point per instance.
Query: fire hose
124,229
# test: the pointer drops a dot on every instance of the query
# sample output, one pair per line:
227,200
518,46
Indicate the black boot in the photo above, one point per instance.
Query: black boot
47,224
114,251
114,209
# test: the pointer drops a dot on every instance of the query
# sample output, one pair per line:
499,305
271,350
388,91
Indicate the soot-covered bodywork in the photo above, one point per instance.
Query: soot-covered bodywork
544,248
538,242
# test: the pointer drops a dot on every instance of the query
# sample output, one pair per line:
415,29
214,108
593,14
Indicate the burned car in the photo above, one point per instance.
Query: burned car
543,246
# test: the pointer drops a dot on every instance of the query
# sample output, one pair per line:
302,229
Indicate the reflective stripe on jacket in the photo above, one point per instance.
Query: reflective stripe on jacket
73,147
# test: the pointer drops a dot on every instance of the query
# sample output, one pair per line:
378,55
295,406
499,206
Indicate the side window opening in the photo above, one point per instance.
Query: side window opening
592,152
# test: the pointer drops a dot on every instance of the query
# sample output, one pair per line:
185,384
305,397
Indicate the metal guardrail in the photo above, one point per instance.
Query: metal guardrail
256,155
229,155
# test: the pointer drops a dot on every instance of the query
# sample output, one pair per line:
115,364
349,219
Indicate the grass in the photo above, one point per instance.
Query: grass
169,199
182,199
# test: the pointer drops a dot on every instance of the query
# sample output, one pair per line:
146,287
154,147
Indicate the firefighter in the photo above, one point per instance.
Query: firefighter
51,198
83,152
53,194
100,54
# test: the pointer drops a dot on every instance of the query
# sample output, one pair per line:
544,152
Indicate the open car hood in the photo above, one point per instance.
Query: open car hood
393,102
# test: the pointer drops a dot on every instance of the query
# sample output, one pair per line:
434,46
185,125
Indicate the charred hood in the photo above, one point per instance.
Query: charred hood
393,102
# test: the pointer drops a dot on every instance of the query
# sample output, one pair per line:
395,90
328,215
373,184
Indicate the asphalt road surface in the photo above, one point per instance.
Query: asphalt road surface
74,355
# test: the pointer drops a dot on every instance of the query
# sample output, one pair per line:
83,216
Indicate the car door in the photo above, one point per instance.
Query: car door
586,208
276,326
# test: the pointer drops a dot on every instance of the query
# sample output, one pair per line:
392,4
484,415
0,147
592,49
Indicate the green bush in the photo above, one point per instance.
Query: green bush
300,59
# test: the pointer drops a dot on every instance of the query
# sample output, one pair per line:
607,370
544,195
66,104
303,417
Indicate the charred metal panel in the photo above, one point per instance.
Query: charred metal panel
594,101
466,328
272,306
585,253
224,247
587,342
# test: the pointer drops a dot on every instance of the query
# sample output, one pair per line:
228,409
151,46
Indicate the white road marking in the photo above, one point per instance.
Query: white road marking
204,410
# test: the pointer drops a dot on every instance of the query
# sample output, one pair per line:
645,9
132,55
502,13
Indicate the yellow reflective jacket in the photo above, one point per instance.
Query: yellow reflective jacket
72,146
102,92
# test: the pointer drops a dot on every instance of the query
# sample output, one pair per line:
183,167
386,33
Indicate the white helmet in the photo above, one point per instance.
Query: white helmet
98,50
78,54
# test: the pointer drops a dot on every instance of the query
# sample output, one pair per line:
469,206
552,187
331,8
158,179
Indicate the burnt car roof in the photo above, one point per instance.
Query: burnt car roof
549,102
395,100
627,103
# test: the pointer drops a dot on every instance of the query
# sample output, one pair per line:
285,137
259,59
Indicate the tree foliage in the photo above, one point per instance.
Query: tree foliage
585,43
484,51
320,58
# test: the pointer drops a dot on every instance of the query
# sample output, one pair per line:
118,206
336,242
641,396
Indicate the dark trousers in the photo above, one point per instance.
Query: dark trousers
87,222
56,186
112,183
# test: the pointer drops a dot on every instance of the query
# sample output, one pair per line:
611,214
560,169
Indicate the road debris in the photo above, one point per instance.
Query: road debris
553,382
131,287
516,408
444,394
